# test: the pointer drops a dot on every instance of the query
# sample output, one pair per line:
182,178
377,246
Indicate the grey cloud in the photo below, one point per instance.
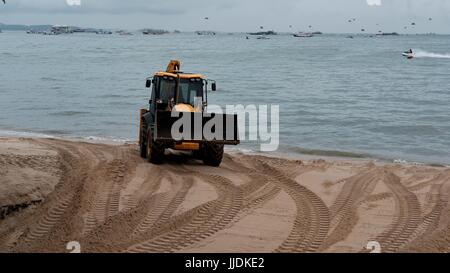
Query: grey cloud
116,6
94,6
234,15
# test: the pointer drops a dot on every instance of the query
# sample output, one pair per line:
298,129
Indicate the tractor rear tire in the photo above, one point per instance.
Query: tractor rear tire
154,151
213,154
143,149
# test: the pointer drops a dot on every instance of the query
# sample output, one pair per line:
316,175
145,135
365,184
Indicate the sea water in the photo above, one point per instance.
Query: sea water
337,96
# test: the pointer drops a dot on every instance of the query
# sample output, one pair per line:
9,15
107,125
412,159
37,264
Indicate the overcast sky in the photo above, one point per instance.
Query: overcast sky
236,15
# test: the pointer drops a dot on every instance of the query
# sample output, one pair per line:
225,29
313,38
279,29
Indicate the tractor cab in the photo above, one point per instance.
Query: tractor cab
175,89
182,92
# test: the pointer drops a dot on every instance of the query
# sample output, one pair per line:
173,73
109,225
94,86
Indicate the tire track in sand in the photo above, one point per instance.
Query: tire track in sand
50,219
141,189
343,210
165,205
312,221
145,233
106,202
408,215
52,213
80,168
200,222
438,200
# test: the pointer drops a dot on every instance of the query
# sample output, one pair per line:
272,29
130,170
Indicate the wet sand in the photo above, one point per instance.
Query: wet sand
110,200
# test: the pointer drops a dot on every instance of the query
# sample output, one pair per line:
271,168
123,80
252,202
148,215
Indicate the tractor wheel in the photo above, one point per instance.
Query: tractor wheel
155,151
143,149
197,154
213,154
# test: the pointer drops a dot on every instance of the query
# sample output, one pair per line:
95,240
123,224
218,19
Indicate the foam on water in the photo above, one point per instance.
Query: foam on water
108,139
236,149
99,139
9,133
425,54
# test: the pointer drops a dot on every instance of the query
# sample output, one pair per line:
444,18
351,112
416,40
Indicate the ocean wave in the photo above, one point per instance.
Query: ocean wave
112,96
302,151
10,133
239,150
406,162
69,113
109,139
54,132
50,79
63,135
328,153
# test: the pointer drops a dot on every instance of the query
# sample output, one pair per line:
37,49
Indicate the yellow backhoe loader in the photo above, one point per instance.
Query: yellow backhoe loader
177,118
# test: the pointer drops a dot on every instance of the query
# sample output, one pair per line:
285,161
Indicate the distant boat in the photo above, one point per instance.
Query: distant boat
78,30
263,38
303,35
270,32
408,55
32,31
389,34
104,32
203,32
124,33
154,32
61,29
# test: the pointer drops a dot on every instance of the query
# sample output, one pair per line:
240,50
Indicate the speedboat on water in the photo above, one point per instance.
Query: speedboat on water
408,54
124,33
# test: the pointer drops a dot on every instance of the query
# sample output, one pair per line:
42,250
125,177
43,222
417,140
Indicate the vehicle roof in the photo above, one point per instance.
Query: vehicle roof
180,74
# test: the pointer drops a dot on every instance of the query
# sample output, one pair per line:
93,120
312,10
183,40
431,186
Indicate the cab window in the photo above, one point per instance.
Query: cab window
190,91
167,90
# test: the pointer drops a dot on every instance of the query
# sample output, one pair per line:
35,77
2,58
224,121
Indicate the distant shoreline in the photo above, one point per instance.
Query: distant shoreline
44,27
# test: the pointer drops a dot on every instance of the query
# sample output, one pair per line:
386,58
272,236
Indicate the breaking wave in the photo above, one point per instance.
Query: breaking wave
10,133
328,153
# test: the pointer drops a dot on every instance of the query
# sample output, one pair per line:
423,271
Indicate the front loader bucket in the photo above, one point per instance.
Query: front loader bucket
196,127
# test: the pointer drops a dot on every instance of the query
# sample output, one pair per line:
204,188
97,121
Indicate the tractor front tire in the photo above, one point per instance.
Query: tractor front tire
213,154
155,151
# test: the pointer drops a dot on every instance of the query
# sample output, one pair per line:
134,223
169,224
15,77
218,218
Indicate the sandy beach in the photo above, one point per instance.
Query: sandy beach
109,199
